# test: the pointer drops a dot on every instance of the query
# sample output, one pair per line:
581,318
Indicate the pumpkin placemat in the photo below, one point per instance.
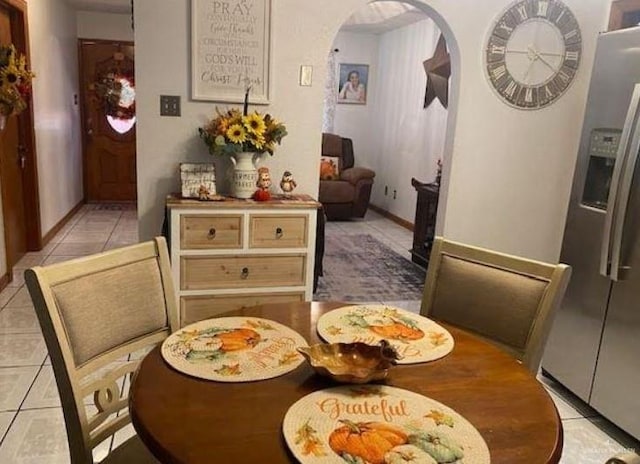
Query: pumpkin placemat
377,424
234,349
416,338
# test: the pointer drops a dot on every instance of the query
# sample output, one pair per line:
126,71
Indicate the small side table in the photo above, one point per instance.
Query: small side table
425,222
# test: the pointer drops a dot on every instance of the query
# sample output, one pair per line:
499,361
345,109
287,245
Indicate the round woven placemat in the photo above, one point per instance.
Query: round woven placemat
378,424
234,349
416,338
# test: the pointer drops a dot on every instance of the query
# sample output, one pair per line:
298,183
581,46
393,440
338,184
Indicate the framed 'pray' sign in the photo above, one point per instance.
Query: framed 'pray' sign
230,50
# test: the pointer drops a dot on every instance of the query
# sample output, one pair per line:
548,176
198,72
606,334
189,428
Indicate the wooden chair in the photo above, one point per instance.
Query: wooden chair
505,299
93,311
624,458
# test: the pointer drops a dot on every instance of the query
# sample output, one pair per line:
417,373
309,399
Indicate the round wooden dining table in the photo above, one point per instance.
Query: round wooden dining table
183,419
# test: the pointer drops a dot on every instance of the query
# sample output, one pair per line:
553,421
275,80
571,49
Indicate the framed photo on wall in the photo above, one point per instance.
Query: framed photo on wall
352,83
230,50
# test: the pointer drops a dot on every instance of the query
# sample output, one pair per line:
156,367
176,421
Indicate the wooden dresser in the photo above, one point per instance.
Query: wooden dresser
231,254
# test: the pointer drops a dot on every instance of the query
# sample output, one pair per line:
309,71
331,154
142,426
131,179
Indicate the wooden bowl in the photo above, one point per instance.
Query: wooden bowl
351,362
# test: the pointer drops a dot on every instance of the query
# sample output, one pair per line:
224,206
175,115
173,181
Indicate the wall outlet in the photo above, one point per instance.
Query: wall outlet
169,105
394,194
386,190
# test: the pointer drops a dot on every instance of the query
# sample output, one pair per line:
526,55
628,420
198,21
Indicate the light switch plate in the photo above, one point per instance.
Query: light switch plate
169,105
306,73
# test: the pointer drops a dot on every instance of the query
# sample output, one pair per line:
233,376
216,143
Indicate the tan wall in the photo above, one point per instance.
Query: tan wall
508,172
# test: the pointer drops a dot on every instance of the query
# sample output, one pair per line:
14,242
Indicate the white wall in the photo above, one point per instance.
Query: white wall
508,172
162,67
54,59
355,121
106,26
394,134
511,170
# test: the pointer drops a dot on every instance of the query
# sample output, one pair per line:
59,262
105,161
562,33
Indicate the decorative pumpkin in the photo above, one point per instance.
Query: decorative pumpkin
367,440
397,331
439,446
238,339
404,454
262,195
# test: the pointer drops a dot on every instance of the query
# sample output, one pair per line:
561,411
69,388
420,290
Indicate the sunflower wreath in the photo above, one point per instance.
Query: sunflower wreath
108,90
15,81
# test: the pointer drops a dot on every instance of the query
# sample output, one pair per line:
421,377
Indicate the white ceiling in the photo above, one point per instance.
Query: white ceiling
108,6
381,17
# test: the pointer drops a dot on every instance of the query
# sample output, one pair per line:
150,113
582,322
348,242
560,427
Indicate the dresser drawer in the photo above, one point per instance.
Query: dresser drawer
209,232
197,308
217,272
278,231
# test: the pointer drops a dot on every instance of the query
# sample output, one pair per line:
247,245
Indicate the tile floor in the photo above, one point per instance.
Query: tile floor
31,423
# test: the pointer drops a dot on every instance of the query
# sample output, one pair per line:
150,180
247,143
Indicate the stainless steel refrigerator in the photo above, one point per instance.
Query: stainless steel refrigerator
594,345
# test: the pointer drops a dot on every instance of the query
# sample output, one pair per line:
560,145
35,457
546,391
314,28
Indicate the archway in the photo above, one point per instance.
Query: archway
447,128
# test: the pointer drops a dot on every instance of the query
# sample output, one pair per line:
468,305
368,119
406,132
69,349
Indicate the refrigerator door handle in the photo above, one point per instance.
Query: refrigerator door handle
623,202
612,218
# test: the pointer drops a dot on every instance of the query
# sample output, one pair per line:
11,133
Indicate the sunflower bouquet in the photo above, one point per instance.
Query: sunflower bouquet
15,81
234,132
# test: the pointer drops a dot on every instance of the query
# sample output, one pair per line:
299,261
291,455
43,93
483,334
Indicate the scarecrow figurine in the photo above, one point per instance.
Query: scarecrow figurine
263,183
264,179
287,184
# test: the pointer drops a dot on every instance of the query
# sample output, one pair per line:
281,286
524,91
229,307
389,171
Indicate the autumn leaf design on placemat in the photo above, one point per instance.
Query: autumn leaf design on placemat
366,392
440,418
227,369
259,325
437,338
333,330
288,358
308,437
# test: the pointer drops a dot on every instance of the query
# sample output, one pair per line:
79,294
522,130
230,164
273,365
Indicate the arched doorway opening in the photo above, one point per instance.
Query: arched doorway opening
382,73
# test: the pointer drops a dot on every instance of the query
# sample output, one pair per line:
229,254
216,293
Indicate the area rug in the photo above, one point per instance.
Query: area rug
361,268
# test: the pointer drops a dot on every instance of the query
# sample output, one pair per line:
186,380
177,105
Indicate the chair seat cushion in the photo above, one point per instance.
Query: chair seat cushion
336,191
130,452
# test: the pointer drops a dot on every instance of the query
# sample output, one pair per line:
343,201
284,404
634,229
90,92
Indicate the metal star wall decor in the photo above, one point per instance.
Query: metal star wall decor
438,69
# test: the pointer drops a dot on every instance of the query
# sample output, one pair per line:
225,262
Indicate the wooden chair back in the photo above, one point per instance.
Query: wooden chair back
506,299
96,310
628,457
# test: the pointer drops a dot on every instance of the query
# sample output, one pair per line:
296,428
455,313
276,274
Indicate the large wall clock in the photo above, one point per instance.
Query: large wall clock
533,53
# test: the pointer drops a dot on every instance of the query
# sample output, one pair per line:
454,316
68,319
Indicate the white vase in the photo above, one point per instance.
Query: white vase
245,174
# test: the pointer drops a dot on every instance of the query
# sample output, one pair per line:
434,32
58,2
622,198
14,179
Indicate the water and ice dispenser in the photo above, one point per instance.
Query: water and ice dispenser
603,148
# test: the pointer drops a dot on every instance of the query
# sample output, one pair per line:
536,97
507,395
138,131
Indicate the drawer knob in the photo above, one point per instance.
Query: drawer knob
212,233
245,272
279,232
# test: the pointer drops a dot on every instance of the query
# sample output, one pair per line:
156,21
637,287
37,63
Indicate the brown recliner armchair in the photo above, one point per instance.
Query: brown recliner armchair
348,196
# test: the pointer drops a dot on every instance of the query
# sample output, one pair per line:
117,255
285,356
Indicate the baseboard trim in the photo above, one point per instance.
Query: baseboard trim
4,281
61,223
401,222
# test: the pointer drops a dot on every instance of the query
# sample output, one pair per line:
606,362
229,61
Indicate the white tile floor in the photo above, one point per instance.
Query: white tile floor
31,423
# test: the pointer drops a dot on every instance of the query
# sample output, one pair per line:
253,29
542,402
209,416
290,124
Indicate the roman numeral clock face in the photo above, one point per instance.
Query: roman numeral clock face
533,53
